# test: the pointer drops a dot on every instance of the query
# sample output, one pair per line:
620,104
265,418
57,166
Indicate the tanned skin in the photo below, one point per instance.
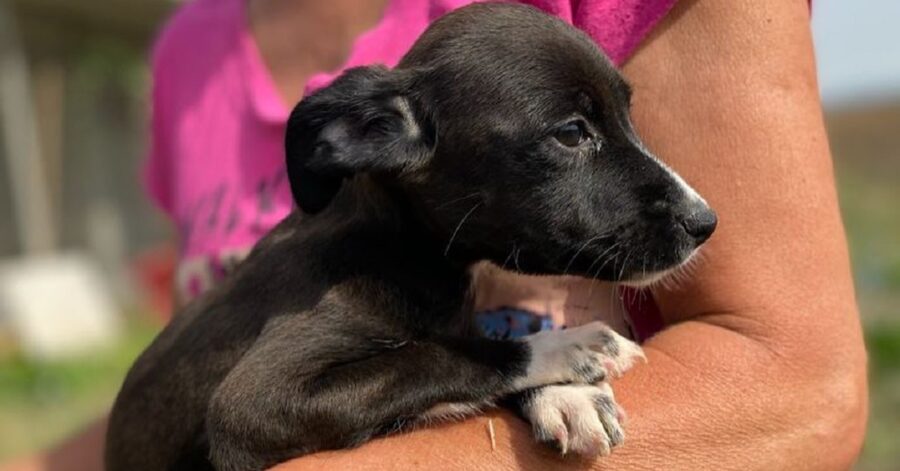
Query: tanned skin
763,364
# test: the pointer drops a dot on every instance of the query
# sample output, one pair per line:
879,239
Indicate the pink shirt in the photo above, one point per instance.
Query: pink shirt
216,164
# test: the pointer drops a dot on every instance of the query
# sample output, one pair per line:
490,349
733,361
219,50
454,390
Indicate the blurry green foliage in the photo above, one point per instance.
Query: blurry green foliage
42,402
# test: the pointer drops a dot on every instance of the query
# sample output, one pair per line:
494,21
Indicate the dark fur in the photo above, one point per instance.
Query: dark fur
356,318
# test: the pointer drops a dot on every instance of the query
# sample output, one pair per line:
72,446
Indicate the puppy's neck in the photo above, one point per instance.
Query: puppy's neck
372,212
371,232
364,200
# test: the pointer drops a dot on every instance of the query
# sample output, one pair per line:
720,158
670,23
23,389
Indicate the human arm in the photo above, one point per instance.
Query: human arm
763,365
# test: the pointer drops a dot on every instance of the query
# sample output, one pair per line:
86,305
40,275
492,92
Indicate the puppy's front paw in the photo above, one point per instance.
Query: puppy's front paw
575,418
584,354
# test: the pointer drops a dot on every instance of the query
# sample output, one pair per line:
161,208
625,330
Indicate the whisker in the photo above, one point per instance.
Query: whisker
603,265
580,249
624,262
509,257
516,259
456,200
599,257
461,221
675,280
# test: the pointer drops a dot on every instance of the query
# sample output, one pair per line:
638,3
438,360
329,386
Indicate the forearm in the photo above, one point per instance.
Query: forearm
763,365
713,398
767,322
691,407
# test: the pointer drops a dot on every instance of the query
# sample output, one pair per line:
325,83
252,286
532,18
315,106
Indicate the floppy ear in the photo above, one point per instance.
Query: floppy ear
362,122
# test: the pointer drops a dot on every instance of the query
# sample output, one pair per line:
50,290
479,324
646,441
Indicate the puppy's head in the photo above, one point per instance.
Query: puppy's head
508,131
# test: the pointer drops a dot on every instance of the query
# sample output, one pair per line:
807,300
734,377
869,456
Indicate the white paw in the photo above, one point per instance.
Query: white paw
576,418
584,354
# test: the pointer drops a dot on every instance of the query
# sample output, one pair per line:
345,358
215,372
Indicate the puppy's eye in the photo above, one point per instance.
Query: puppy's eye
571,134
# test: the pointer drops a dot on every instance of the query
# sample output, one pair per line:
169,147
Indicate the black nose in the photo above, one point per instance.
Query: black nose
700,224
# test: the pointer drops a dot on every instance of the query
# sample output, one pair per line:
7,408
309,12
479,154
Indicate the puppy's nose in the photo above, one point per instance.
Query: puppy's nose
700,224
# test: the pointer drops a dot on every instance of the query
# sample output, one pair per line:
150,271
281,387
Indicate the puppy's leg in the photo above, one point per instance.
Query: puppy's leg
581,419
289,396
588,346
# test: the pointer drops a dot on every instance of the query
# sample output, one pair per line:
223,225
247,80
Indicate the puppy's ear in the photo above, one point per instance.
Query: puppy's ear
362,122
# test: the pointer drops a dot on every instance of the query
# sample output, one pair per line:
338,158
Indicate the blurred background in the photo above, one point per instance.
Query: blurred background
86,263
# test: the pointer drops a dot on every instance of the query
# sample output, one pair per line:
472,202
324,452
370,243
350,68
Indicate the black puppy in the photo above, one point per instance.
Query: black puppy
503,134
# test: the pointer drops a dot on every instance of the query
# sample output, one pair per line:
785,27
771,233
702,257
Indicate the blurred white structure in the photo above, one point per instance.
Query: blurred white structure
56,305
72,133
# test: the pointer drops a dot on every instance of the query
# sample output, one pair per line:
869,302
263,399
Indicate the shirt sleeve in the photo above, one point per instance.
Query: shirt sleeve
619,26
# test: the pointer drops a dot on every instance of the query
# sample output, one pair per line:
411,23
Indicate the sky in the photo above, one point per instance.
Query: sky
857,50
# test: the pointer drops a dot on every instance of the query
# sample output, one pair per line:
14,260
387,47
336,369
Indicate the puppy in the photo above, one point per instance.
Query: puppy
503,133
